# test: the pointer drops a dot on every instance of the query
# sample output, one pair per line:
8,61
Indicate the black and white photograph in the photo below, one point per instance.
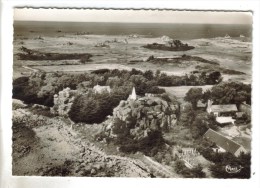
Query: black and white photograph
127,94
131,93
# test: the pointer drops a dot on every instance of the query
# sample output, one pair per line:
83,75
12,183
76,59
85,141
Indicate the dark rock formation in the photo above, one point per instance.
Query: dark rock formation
145,115
179,47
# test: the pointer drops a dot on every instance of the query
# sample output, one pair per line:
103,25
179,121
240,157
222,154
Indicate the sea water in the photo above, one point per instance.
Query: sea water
176,31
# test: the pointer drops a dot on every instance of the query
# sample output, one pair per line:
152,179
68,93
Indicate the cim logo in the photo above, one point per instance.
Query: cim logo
233,169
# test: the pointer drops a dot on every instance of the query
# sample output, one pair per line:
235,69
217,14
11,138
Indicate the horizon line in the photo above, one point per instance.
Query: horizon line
132,22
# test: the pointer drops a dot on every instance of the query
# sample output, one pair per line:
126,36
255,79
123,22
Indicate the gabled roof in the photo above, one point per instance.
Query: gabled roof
224,108
222,141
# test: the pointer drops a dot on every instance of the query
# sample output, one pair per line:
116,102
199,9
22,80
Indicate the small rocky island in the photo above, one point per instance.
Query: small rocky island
171,45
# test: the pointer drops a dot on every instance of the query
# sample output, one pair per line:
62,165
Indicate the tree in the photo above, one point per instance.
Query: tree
197,172
193,96
177,43
214,77
84,109
157,74
242,163
202,123
206,96
231,93
149,75
164,80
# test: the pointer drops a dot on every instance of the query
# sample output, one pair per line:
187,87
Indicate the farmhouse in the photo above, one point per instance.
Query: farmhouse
223,113
221,110
223,143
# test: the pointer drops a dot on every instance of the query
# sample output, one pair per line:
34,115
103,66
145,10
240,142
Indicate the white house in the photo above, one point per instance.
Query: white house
100,89
223,113
219,110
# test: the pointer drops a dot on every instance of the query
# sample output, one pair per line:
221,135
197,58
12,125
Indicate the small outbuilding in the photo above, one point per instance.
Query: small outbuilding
101,89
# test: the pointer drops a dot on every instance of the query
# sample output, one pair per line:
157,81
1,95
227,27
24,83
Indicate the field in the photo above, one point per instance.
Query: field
125,52
180,91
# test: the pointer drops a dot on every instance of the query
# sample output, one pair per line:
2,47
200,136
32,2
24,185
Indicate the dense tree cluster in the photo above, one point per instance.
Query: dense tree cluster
193,96
193,79
149,145
202,123
95,107
40,87
198,122
230,93
223,93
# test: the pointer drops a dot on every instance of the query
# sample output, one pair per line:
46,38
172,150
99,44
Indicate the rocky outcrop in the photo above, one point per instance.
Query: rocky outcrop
18,104
145,115
175,45
63,101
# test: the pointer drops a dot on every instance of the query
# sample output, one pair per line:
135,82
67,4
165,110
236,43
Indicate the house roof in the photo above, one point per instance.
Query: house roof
223,120
222,141
224,108
100,89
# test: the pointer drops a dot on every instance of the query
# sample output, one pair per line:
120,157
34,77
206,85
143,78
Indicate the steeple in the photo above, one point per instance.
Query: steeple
133,95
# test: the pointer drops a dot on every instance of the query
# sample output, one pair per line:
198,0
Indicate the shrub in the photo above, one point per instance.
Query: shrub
196,172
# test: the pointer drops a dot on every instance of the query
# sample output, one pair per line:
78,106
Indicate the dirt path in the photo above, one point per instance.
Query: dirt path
29,68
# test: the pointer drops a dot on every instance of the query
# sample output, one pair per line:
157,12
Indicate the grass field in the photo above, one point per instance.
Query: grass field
180,91
117,54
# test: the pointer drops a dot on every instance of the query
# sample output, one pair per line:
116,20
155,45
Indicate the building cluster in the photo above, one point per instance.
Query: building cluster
226,114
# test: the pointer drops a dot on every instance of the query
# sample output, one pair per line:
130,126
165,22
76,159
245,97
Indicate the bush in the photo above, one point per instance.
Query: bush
243,162
195,172
149,145
94,108
85,109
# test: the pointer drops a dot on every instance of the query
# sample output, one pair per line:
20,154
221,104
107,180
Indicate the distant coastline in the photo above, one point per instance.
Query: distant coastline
183,31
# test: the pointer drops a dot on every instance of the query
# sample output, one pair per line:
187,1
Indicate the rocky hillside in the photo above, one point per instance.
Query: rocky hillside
44,146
